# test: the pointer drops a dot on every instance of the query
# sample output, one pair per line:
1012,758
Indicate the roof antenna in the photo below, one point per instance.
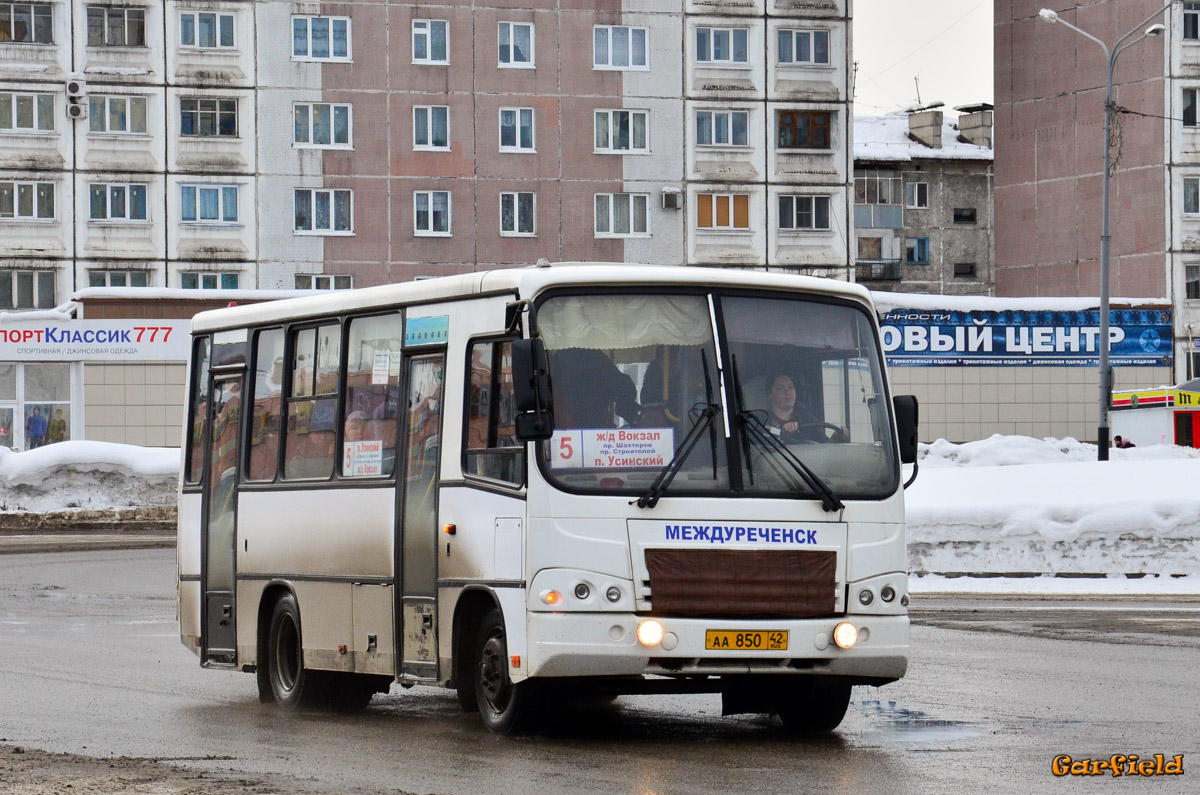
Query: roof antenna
917,80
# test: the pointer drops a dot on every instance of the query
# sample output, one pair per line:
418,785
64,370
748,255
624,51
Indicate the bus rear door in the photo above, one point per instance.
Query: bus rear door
219,509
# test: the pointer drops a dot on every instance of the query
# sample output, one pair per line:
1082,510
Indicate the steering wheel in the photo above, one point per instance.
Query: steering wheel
835,436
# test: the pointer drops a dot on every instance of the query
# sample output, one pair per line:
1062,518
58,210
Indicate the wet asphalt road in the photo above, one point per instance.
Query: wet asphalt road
90,663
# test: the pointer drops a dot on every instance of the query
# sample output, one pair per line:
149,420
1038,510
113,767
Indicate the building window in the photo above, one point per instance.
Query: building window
722,46
803,129
722,128
620,47
721,211
208,204
321,124
429,41
191,280
208,117
117,201
804,47
25,23
26,289
316,281
964,215
26,111
622,215
98,278
916,195
321,38
1191,195
431,127
111,114
1189,107
964,270
1191,282
1191,21
804,213
516,130
109,26
916,251
324,211
27,201
516,44
874,189
205,30
622,131
518,212
431,213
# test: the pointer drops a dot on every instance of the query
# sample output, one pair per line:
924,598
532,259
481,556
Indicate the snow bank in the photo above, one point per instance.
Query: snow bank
1015,504
89,475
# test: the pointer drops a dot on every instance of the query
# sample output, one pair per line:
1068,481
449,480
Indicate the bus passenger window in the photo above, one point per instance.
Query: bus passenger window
372,396
263,455
312,403
492,449
199,409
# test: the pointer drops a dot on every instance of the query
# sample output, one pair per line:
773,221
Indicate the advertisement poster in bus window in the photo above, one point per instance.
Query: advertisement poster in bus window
612,448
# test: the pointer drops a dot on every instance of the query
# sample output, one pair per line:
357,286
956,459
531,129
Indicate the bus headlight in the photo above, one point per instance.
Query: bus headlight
845,635
613,594
887,593
650,632
582,591
865,597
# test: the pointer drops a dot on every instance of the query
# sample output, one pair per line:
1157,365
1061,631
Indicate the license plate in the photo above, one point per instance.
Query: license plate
746,640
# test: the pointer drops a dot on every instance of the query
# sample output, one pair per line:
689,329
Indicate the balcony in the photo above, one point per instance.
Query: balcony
878,216
877,270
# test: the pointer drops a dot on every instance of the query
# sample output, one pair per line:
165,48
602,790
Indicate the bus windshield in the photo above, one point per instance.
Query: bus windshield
636,385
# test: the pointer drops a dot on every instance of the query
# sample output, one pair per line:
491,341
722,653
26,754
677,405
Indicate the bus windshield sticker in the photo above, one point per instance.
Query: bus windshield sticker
363,457
611,448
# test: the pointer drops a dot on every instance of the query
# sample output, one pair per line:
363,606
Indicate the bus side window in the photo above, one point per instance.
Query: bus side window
372,405
312,403
199,411
262,459
491,446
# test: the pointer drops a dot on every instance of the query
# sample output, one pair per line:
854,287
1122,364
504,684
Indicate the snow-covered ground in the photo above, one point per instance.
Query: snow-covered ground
1043,509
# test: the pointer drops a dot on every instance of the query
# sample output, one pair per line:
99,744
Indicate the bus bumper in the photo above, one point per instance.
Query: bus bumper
605,644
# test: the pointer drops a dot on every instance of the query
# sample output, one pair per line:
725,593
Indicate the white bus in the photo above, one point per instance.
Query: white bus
531,483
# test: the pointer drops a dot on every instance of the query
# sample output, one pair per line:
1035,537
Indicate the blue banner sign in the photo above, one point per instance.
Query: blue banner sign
1045,338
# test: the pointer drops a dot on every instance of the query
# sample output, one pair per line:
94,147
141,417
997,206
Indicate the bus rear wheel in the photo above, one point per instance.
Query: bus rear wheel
814,706
283,678
506,708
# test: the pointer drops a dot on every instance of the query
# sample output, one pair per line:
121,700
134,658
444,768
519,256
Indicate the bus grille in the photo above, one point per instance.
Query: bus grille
728,583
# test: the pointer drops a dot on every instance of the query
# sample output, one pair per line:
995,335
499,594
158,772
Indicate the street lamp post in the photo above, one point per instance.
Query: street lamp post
1049,15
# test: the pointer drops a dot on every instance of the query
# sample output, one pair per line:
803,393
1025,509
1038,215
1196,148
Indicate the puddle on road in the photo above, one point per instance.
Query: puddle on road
894,723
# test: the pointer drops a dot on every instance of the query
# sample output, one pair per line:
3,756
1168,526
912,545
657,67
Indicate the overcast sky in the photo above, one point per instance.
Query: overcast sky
946,44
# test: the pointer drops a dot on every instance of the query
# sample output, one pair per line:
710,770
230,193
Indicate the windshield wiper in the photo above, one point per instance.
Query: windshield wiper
754,430
702,420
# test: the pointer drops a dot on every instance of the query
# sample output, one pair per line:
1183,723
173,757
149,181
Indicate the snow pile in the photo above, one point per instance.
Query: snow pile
1012,504
87,475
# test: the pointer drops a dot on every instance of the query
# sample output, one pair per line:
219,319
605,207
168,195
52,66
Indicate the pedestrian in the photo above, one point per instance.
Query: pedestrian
57,429
1124,444
35,429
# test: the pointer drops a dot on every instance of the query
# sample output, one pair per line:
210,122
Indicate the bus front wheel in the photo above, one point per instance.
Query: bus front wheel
290,684
505,707
814,706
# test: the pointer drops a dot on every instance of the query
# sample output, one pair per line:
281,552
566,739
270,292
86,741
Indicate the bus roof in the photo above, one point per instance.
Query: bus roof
526,282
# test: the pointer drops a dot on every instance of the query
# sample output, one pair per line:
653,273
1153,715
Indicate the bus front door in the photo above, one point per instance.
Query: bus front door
219,641
418,532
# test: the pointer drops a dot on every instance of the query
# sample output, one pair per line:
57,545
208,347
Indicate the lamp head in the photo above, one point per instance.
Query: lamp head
1048,15
1155,30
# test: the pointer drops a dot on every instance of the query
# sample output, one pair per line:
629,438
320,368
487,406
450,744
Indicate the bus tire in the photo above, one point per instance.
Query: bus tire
815,706
292,686
506,708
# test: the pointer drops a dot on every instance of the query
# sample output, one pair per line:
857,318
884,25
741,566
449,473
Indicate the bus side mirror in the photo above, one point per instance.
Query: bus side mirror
531,390
906,426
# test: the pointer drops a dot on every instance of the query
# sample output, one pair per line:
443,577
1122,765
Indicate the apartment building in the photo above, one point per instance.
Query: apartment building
1050,91
218,145
923,201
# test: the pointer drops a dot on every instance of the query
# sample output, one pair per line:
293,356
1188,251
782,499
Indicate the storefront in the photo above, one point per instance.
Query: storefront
1158,416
